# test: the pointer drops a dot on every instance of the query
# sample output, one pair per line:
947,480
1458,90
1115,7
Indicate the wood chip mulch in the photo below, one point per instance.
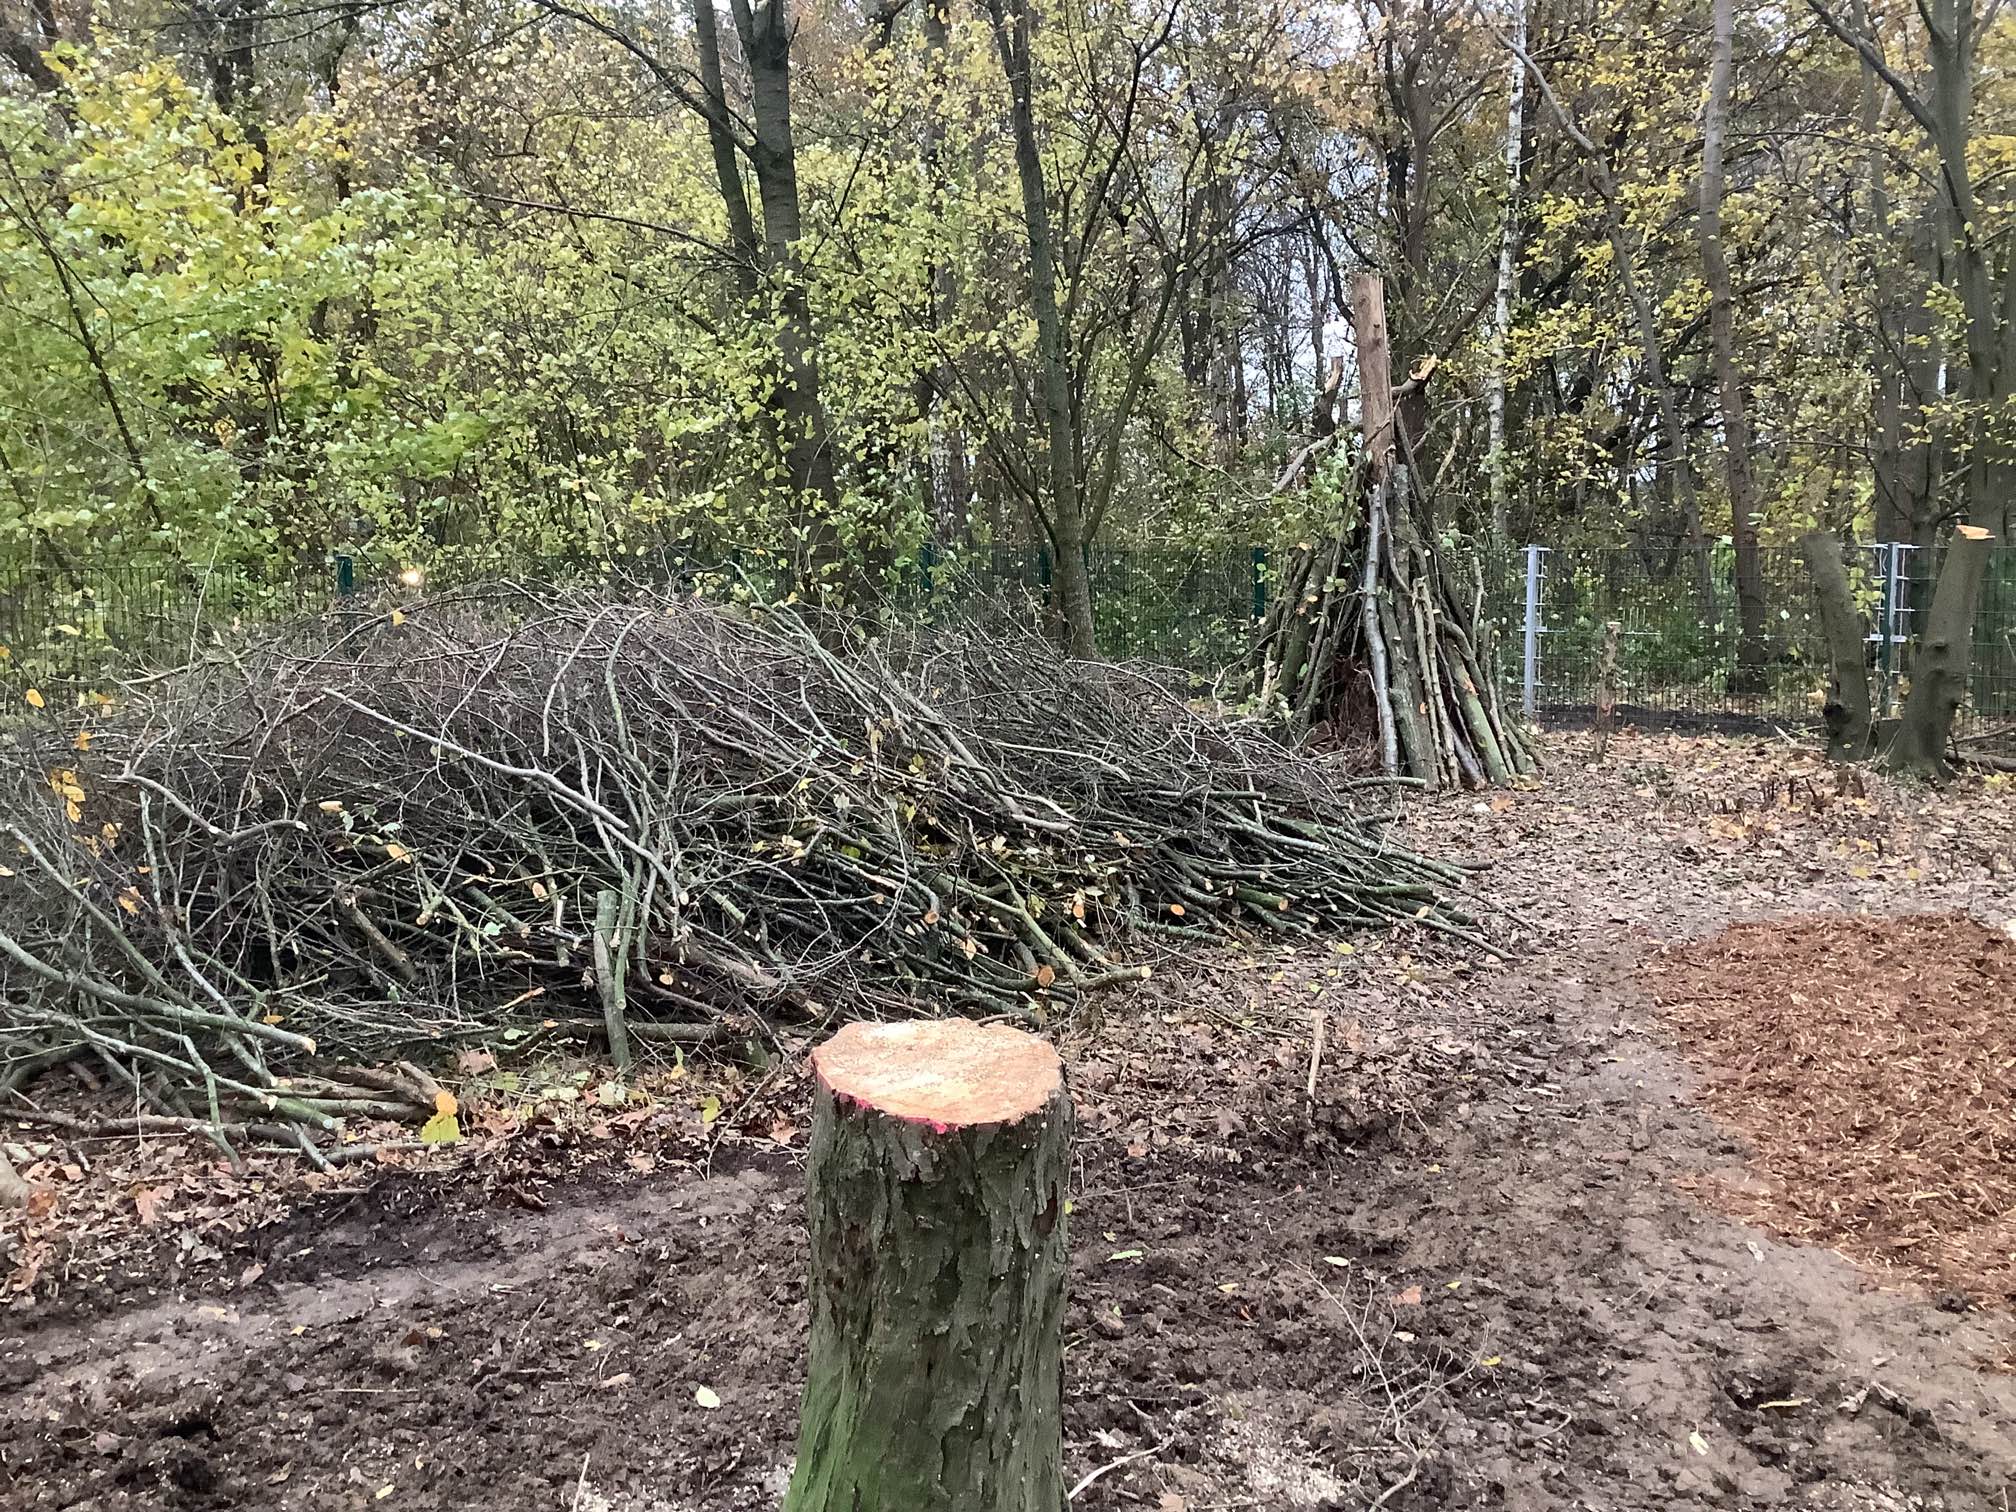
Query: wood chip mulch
1871,1063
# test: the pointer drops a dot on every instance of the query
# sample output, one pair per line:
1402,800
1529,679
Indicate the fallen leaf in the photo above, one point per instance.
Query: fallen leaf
1408,1298
1699,1444
34,697
706,1397
147,1203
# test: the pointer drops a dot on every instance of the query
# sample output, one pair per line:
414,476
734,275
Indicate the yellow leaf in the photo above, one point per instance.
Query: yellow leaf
442,1128
83,740
130,900
710,1108
76,814
398,852
445,1105
398,618
34,697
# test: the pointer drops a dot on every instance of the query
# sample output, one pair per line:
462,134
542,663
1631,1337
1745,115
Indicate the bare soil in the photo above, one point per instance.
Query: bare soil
1486,1268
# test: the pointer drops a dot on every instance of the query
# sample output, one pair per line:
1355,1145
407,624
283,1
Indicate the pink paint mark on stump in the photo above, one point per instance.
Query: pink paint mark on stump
946,1074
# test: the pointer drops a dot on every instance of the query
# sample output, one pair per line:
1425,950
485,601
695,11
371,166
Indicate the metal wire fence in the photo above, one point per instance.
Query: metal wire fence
69,625
1679,651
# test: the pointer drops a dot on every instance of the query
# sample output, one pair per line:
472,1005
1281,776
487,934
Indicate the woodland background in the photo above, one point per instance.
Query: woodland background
488,285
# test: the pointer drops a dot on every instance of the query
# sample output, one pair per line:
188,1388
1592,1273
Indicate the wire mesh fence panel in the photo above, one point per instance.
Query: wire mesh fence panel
1991,704
1681,648
1194,610
70,625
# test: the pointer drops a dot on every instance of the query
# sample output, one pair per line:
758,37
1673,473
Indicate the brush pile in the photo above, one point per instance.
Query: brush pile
258,879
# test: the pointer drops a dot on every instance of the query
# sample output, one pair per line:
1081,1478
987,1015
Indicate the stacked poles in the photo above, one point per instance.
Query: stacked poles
1372,629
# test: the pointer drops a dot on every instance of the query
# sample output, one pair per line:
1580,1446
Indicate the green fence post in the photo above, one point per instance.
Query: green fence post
346,575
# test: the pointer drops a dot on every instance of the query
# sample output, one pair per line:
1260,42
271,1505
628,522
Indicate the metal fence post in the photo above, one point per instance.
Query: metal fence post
1529,682
1886,635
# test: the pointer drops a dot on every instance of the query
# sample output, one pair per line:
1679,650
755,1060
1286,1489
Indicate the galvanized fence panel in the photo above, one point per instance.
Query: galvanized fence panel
1679,647
71,624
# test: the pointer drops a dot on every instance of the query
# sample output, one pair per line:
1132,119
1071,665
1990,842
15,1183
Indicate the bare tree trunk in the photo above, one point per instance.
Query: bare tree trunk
951,474
1065,518
1750,607
1847,710
1508,277
765,27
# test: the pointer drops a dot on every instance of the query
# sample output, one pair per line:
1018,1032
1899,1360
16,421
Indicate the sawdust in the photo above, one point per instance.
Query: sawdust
1871,1063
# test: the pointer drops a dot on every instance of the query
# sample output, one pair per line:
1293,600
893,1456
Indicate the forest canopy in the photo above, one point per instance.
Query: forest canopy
489,284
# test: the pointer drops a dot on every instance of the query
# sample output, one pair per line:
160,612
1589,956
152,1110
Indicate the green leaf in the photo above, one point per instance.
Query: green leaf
442,1128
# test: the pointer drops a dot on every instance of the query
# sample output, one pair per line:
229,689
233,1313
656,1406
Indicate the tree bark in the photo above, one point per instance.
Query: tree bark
1750,607
1606,693
938,1163
766,29
1508,276
1940,660
1066,524
1847,710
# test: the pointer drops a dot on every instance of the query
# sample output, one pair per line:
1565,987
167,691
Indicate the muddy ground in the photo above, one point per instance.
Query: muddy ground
1482,1271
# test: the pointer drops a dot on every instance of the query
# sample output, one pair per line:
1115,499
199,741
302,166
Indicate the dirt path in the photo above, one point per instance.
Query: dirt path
1474,1278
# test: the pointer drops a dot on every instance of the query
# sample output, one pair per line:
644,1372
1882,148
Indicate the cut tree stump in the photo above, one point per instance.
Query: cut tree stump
937,1172
1941,658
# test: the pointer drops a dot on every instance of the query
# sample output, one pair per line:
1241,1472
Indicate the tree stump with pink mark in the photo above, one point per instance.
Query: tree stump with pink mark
937,1172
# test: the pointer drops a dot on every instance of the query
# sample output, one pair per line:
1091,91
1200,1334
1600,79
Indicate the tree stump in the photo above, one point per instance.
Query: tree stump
1940,660
937,1172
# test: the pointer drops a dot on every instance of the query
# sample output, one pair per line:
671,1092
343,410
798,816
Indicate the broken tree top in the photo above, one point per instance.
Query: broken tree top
949,1073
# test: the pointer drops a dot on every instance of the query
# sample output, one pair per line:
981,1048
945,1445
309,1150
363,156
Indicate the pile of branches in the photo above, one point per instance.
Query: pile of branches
258,883
1375,629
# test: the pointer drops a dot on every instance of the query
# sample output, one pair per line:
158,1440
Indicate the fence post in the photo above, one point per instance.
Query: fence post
1529,682
346,575
1259,584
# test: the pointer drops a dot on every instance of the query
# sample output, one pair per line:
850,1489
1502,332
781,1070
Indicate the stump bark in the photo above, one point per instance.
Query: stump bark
937,1172
1847,711
1940,660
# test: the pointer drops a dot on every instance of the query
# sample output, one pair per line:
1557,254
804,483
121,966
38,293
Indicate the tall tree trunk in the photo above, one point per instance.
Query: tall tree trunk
765,28
1064,515
951,473
1750,608
1508,277
1847,711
